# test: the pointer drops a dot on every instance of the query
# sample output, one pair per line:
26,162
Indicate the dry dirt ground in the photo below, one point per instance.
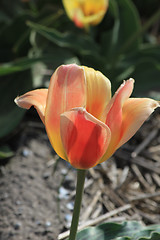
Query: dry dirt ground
37,189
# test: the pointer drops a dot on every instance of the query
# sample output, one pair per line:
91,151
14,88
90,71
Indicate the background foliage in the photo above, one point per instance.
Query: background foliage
37,36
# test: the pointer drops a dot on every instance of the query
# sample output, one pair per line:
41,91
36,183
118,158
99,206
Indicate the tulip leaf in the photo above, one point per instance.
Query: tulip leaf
17,65
147,75
154,236
120,38
5,152
152,51
83,45
148,51
109,38
129,25
113,8
62,55
146,72
144,67
130,230
10,87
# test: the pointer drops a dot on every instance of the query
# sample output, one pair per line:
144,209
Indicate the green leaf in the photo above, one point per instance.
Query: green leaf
26,63
10,88
79,43
5,152
4,18
119,39
147,75
130,230
109,231
17,65
129,25
109,38
14,38
154,94
147,51
113,8
153,236
143,66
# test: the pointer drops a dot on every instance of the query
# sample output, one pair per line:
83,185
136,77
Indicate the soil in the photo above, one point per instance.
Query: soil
37,188
27,194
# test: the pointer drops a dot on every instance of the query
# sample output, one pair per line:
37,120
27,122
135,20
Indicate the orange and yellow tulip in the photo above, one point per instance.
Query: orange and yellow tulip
84,124
85,13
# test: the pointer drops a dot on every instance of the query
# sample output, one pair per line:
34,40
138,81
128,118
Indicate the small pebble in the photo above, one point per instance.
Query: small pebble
18,202
68,218
46,175
64,171
48,224
63,193
17,226
38,222
19,212
4,196
31,176
11,234
26,152
70,205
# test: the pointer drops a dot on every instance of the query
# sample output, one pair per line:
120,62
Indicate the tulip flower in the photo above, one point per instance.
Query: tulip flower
84,124
85,13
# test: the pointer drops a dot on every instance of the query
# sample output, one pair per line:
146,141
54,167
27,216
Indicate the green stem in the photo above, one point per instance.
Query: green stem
77,204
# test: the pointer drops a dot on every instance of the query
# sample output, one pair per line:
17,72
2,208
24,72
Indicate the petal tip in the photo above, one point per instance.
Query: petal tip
21,103
16,100
131,80
155,104
68,66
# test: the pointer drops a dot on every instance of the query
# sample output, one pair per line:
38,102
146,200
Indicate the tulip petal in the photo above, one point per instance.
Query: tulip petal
114,115
93,19
36,98
78,18
67,90
135,111
81,20
98,92
93,11
93,6
85,13
70,6
85,138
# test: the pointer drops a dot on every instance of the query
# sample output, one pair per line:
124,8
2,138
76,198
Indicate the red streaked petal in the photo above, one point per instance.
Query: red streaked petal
135,111
67,90
114,115
120,96
85,138
98,92
36,98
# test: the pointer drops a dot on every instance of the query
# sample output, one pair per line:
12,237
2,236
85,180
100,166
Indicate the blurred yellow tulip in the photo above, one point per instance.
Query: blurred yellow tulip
85,12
